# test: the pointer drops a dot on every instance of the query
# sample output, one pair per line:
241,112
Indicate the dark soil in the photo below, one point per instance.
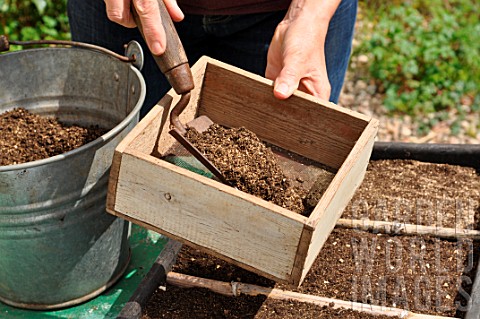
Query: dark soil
26,137
421,274
202,303
248,164
418,193
417,273
275,309
179,303
193,262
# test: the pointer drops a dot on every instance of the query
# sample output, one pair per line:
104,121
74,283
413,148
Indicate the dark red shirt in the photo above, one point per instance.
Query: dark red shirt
229,7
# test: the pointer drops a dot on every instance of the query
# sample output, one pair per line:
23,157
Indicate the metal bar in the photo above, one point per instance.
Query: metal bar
455,154
157,276
5,46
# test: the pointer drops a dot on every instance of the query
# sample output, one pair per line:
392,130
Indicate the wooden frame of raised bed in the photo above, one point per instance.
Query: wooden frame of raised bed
225,222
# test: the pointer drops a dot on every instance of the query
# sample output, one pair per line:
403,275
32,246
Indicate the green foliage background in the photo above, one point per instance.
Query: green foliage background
424,53
34,20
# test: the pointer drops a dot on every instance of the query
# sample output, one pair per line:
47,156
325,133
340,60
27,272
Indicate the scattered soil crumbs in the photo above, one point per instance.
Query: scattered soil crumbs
419,193
422,274
247,164
417,273
198,303
26,137
180,303
294,310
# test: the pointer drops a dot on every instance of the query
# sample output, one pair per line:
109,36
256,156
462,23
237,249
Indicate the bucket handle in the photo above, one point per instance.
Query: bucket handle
132,49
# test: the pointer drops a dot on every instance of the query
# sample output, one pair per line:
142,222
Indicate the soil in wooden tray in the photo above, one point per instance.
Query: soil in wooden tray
414,192
26,137
248,164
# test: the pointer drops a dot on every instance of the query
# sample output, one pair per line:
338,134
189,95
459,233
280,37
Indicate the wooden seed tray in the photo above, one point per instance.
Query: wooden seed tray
225,222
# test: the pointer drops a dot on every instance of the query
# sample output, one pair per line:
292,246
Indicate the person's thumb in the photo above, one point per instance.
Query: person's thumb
287,81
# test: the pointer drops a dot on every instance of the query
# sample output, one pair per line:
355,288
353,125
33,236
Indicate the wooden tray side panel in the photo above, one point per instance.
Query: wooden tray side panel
154,136
141,138
113,180
339,193
321,132
161,194
153,125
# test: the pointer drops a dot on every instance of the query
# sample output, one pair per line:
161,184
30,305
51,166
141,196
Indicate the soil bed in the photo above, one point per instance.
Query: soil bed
295,310
421,274
180,303
418,193
26,137
416,273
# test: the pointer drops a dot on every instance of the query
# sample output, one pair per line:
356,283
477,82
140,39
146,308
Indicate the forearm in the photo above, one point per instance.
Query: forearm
316,13
322,11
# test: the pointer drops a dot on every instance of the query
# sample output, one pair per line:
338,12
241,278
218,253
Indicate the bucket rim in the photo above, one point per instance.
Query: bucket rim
98,141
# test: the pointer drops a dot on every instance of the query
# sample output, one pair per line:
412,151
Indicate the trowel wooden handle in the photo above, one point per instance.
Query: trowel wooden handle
173,63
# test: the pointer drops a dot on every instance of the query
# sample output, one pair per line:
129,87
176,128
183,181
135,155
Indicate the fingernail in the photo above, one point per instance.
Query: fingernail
157,48
282,88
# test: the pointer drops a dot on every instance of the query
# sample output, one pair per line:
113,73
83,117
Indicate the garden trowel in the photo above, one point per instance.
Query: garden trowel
174,65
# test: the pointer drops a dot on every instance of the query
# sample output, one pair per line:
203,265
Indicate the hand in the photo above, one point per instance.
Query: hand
296,57
119,11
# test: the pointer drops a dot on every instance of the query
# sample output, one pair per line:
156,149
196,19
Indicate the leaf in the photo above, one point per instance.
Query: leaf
29,33
41,5
4,6
49,22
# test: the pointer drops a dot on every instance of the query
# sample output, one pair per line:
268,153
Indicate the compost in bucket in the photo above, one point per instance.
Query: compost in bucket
53,222
27,137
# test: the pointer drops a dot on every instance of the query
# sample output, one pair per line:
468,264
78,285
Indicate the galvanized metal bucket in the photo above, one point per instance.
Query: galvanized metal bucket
58,246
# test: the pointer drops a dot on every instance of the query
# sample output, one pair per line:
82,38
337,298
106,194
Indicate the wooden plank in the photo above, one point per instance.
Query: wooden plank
396,228
339,193
301,255
204,249
141,138
238,288
152,126
113,180
210,214
302,124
